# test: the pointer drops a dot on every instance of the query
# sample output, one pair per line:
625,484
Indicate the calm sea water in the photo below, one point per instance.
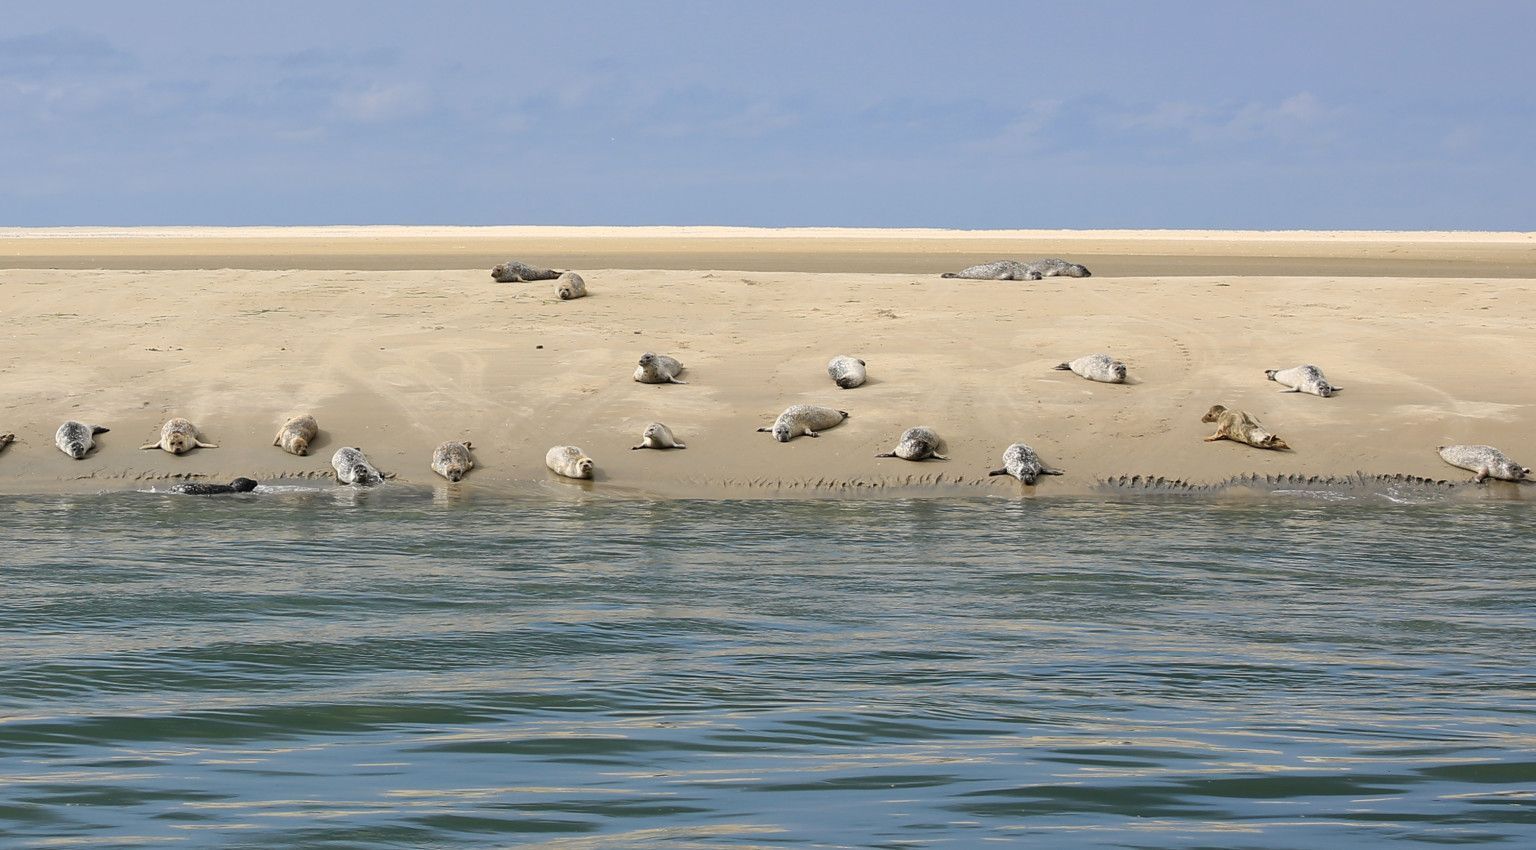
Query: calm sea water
390,669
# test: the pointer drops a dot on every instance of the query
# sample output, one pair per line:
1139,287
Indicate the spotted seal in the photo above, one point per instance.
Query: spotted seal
296,434
1302,379
569,461
452,460
178,435
353,467
77,438
804,419
570,285
658,436
658,369
513,271
1055,267
847,372
239,485
1486,461
1020,461
1096,367
999,270
918,443
1240,426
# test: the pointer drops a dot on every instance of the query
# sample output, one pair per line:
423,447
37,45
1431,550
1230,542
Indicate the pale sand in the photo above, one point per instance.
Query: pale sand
398,361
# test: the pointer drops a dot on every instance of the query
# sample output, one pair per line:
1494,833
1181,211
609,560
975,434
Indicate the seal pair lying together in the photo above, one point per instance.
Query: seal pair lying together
1019,270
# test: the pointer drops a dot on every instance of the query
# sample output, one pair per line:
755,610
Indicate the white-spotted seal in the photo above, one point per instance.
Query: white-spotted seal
569,461
658,436
918,443
1302,379
513,271
178,435
77,438
452,460
239,485
804,419
1055,267
847,372
999,270
296,435
353,467
570,285
1020,461
1096,367
1240,426
1486,461
658,369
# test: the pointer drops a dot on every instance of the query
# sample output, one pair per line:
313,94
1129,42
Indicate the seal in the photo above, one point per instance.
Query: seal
918,443
569,461
1302,379
847,372
1240,426
1020,461
178,435
999,270
239,485
1096,367
6,440
513,271
657,436
804,419
1486,461
76,438
1055,267
352,467
658,369
570,285
296,435
452,460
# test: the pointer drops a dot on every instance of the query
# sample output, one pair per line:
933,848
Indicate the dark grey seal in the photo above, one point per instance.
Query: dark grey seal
512,271
239,485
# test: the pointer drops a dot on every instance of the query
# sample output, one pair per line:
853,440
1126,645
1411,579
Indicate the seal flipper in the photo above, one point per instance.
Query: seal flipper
675,381
1290,389
1003,471
642,445
937,456
1050,470
949,275
886,454
677,445
1065,367
202,445
97,429
764,430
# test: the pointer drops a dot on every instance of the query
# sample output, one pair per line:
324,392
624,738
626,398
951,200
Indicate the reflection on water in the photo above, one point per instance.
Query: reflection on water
336,668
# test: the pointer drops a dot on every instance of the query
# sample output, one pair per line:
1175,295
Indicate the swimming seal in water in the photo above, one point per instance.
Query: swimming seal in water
1054,267
1302,379
353,467
513,271
570,285
1096,367
658,369
847,372
76,438
1020,461
1240,426
1486,461
918,443
569,461
178,435
296,435
239,485
452,460
999,270
658,436
804,419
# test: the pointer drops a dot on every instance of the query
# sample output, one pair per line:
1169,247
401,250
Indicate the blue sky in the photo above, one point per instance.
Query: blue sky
1369,115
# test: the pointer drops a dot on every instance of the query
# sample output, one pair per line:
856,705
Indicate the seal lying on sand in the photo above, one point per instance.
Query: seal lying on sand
657,436
1239,426
569,461
1020,461
1096,367
1053,267
452,460
847,372
296,435
804,419
570,285
1486,461
6,440
76,438
178,435
658,369
512,271
917,443
1302,379
352,467
999,270
239,485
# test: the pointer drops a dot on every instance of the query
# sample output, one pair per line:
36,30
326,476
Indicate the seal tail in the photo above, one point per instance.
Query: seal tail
1064,367
949,275
97,429
1003,471
1270,373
